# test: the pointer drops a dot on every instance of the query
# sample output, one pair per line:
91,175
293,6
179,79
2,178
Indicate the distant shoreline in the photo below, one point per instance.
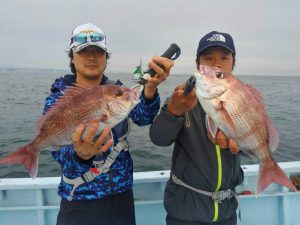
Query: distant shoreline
66,71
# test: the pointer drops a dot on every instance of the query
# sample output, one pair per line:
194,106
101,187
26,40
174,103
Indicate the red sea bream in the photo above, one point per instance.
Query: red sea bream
238,110
107,104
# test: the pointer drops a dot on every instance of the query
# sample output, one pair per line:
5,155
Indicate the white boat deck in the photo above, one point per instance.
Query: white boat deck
36,201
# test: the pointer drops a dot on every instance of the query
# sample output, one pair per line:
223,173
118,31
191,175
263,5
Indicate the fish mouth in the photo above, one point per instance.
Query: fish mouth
204,89
137,92
137,89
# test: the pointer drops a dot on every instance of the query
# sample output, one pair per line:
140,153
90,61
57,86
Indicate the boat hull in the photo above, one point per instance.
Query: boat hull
36,201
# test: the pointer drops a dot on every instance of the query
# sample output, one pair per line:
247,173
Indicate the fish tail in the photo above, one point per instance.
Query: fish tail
269,173
28,155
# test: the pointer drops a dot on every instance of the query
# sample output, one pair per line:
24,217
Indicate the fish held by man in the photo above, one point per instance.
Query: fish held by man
238,110
106,104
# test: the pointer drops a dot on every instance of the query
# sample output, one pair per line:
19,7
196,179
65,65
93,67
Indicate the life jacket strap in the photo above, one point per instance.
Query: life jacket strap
218,196
75,182
111,158
102,166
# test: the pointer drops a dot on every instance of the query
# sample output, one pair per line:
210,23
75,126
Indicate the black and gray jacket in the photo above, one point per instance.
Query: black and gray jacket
198,163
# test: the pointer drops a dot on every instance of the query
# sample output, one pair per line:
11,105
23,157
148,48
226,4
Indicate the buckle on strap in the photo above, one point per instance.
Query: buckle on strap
219,196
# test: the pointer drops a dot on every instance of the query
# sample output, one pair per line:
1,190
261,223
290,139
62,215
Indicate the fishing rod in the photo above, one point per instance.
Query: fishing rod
173,52
189,85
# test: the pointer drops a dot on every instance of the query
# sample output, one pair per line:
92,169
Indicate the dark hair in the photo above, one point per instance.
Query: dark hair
72,67
205,52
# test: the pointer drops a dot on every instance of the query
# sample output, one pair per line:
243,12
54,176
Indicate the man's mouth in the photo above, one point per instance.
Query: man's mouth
91,66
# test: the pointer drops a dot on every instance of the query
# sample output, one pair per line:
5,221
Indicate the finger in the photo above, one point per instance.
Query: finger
76,138
210,137
165,62
161,65
194,103
191,96
221,139
105,147
91,132
178,91
155,80
234,149
103,136
159,71
179,88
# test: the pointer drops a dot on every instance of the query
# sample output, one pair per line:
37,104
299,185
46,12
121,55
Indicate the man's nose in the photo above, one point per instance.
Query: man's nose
217,64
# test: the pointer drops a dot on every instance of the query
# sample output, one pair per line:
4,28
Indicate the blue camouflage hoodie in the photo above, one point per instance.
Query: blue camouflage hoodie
120,176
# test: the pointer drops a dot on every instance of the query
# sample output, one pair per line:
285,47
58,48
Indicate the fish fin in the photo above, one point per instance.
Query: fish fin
273,137
101,121
53,148
269,173
26,155
211,126
256,94
70,93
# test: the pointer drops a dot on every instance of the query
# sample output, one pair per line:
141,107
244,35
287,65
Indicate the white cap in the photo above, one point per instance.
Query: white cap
88,29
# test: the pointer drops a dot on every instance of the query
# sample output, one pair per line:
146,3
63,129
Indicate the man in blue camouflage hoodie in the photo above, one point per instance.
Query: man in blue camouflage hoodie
97,175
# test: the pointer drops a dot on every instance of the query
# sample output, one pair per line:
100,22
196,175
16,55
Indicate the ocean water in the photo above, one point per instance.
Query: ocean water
22,94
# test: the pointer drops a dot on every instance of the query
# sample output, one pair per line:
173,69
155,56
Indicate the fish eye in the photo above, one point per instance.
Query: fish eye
119,93
220,75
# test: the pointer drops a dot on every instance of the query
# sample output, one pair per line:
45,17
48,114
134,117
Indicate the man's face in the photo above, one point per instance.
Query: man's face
217,57
90,62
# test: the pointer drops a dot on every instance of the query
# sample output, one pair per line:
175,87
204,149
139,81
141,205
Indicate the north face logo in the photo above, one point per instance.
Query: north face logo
217,37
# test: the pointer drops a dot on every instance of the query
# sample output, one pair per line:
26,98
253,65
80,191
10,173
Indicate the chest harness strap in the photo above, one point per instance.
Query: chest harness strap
218,196
102,166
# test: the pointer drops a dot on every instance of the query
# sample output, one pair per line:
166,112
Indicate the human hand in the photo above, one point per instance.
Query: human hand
87,148
180,103
161,74
223,141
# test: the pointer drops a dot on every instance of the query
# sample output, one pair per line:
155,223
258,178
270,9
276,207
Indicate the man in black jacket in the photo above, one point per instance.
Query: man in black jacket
203,177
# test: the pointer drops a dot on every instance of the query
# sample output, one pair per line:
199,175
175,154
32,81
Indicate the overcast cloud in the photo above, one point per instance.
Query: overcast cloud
35,33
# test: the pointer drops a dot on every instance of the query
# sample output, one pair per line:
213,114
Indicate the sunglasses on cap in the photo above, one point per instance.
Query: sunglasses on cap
84,38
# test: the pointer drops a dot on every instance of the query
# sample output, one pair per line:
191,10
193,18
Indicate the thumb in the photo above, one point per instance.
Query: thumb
234,149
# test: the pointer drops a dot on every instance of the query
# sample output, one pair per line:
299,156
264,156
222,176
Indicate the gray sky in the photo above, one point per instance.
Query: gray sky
35,33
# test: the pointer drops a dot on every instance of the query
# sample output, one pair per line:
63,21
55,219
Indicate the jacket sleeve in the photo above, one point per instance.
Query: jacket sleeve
145,112
69,162
165,128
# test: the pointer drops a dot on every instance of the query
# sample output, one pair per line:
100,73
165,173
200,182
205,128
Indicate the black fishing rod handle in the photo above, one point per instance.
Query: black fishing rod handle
189,85
172,52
